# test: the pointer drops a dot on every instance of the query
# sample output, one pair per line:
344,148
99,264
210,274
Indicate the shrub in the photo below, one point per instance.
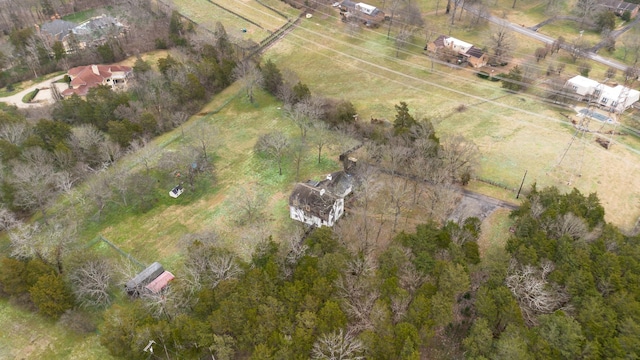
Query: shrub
27,98
161,44
51,295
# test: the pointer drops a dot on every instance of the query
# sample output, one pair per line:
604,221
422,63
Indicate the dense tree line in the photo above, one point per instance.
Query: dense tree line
301,300
575,283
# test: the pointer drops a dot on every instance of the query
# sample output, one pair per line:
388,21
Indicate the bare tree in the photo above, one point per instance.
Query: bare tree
402,39
567,224
249,76
248,205
502,45
578,48
8,219
535,294
355,287
100,192
632,45
91,282
397,197
338,345
305,113
586,10
459,157
48,243
34,181
208,265
321,137
204,136
144,152
274,144
14,132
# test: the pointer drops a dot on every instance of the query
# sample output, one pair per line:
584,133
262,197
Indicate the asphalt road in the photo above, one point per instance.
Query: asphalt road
521,29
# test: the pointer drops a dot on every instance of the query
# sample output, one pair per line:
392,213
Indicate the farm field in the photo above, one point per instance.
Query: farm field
515,132
259,21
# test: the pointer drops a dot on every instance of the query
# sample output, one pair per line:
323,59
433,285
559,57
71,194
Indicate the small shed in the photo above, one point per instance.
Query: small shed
176,191
160,282
145,277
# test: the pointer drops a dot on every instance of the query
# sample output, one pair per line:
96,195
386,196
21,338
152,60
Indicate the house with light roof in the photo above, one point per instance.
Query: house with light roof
616,98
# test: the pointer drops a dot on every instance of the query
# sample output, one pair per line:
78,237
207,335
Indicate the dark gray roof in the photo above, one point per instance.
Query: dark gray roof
313,200
58,28
439,42
98,25
625,6
340,184
348,4
475,52
145,277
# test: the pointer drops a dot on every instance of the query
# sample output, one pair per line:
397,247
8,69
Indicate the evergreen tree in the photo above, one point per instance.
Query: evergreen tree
404,121
51,295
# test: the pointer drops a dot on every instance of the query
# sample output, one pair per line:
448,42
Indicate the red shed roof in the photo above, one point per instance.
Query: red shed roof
160,282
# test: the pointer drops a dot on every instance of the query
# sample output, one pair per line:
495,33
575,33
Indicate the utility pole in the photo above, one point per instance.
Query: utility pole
522,183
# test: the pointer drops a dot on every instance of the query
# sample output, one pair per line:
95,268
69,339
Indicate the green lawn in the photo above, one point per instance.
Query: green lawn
154,235
81,16
26,335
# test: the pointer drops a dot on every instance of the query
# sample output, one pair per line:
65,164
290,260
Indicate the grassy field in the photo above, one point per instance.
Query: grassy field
515,132
154,236
26,335
206,14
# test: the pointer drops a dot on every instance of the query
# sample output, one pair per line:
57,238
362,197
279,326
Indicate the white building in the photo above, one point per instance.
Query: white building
366,8
618,98
320,203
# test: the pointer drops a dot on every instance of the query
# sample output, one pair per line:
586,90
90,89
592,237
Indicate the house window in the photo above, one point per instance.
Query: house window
596,92
614,103
604,100
575,88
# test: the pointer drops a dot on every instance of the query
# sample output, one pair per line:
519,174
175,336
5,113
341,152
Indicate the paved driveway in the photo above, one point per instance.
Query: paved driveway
42,98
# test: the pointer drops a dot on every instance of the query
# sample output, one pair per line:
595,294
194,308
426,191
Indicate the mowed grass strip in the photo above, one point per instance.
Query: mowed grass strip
515,132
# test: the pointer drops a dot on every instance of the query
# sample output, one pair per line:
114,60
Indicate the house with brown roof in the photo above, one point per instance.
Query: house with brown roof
84,78
466,51
320,203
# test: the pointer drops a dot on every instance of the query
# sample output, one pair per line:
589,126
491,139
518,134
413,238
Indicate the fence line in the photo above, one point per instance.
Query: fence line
115,247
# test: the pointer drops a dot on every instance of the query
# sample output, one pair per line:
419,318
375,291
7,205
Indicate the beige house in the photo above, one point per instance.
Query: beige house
84,78
466,51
